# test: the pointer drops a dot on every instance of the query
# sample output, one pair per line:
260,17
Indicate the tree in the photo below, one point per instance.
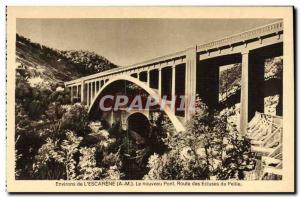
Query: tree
76,119
209,148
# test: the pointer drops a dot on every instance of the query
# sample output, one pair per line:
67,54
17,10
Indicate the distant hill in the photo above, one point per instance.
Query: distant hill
48,65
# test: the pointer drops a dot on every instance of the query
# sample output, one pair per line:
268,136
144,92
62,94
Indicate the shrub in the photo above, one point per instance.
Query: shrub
76,119
59,154
238,159
35,109
27,145
87,165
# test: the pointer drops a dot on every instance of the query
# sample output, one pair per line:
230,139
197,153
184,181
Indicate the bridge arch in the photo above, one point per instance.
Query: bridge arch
139,123
175,121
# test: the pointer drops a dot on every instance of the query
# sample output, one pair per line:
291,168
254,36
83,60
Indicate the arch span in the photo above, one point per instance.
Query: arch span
176,123
139,123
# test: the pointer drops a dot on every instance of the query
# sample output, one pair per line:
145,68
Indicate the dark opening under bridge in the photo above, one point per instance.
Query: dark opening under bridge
196,71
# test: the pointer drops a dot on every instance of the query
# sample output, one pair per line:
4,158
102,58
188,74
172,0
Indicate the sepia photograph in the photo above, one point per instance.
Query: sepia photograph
131,102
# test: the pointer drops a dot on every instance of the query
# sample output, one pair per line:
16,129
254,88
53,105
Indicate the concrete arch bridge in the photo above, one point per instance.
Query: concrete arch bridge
195,70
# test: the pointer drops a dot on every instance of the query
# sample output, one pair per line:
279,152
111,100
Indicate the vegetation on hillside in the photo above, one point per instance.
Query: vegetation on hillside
230,78
50,65
53,138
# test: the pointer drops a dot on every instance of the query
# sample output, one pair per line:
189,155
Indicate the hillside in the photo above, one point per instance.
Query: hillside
230,86
46,65
230,77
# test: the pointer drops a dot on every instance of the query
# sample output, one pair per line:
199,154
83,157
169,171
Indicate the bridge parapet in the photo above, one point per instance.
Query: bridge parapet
260,32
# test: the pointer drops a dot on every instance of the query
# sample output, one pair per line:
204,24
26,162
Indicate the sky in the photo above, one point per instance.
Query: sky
128,41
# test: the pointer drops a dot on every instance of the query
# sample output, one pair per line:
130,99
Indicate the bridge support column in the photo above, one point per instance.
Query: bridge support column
88,94
244,93
82,95
173,95
190,80
92,91
159,81
94,95
71,94
77,91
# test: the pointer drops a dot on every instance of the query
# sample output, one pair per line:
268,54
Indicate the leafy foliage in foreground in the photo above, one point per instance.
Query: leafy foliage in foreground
208,149
67,155
54,154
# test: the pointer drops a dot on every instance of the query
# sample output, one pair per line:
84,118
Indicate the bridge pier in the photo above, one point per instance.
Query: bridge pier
159,82
71,94
148,78
92,91
173,94
88,94
244,93
82,94
190,80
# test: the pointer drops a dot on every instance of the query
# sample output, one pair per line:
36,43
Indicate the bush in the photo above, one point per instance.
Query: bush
87,165
175,166
59,154
47,164
76,119
237,160
27,146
